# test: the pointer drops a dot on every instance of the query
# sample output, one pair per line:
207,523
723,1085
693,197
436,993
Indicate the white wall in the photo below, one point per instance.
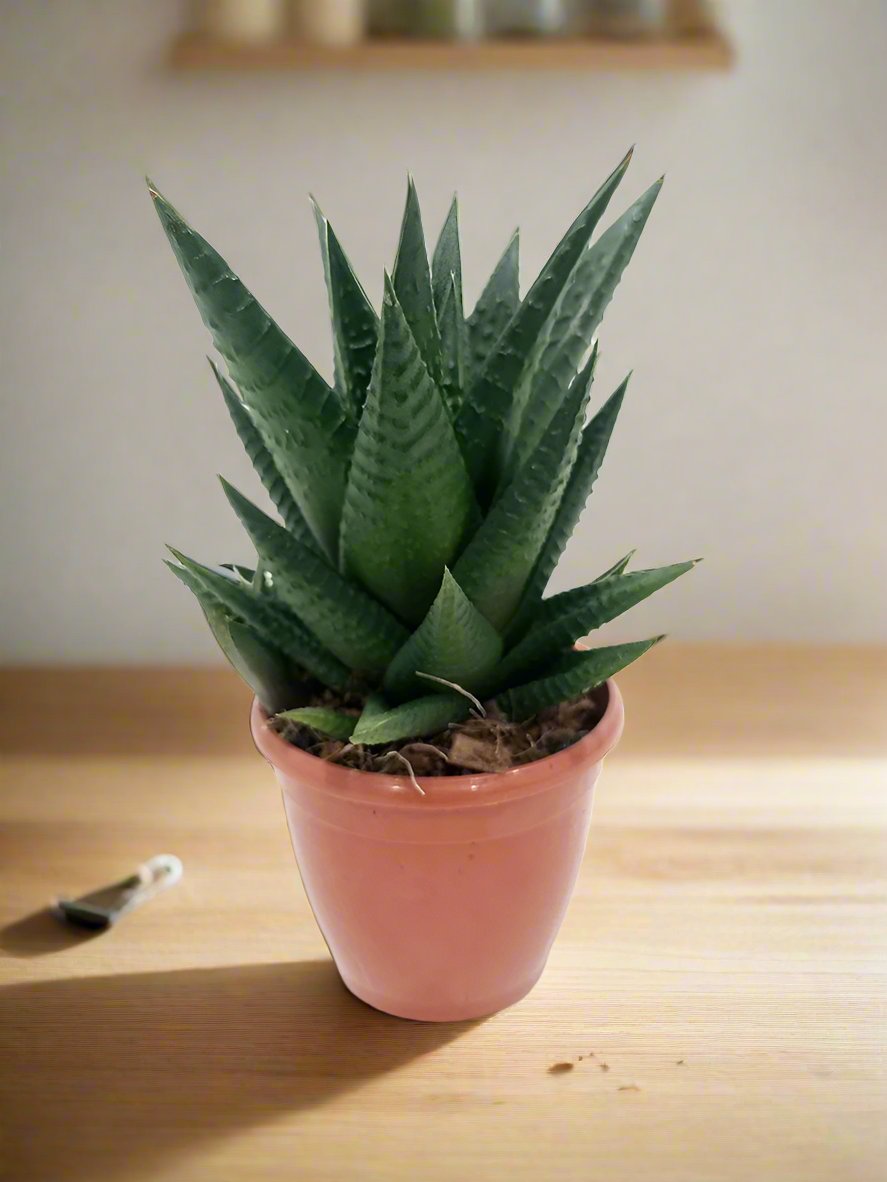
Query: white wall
753,314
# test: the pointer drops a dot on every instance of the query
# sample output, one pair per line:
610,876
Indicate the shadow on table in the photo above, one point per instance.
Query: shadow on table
40,933
109,1076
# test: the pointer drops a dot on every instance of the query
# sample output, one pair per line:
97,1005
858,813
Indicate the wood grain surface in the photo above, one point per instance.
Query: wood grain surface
715,1008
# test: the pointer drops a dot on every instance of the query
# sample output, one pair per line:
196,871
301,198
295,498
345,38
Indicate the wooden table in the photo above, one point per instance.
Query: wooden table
718,989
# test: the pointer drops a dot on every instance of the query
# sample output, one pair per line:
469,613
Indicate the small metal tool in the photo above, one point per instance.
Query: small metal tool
101,908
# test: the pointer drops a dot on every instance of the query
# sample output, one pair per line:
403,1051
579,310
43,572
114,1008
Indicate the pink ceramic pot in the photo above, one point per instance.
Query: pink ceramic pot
440,907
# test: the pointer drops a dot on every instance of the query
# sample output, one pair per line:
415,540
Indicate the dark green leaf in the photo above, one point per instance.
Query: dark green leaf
572,674
452,338
447,260
454,642
268,673
566,618
495,565
300,419
354,320
348,621
563,343
246,573
412,283
409,498
319,718
592,449
495,308
412,720
486,409
263,461
274,624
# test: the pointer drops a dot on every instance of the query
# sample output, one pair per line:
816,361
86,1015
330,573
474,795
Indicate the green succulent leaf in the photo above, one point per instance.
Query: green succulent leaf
412,283
487,409
566,618
499,301
348,621
263,462
268,673
452,337
572,674
447,260
494,567
592,449
300,419
327,722
246,573
563,343
354,320
409,499
412,720
454,642
275,625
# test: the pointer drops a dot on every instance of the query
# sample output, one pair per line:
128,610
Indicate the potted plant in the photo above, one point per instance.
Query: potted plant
436,731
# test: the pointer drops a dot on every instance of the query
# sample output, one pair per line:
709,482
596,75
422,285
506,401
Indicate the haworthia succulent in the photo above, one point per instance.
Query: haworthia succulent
346,620
573,674
564,341
273,623
445,443
354,320
416,719
494,568
300,419
409,498
486,411
263,462
592,448
499,301
332,723
266,670
411,279
454,642
566,618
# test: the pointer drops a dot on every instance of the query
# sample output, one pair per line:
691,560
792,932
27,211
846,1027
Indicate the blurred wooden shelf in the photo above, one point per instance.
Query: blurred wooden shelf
704,51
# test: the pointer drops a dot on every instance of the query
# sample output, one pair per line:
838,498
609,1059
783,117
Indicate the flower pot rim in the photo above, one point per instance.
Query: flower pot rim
470,789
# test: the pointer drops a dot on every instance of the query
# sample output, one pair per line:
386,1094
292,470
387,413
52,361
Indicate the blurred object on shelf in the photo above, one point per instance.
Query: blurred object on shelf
244,20
539,18
460,20
387,18
691,17
627,18
330,22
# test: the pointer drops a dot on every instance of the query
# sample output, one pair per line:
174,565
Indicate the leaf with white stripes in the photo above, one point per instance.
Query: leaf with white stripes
454,642
566,618
499,301
349,622
354,320
487,407
496,564
411,279
413,720
409,499
263,462
592,448
565,340
572,674
273,623
302,422
268,673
